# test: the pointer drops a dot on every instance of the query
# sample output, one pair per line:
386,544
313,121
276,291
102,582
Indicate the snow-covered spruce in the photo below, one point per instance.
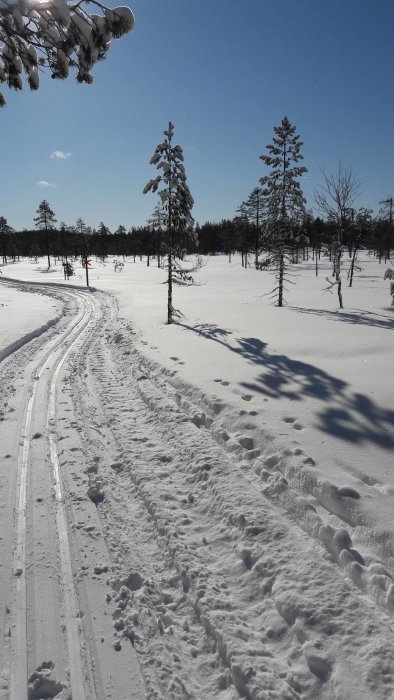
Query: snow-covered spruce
56,34
177,204
285,201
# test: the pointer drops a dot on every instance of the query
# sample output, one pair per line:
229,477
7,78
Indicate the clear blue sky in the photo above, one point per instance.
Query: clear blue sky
225,72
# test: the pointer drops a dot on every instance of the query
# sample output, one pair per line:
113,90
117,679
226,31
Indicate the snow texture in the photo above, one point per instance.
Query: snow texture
228,483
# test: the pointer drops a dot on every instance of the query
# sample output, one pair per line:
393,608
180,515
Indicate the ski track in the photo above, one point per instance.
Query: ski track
49,647
225,576
35,616
148,525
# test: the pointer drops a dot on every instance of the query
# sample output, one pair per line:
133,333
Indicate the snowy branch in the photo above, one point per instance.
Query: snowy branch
55,34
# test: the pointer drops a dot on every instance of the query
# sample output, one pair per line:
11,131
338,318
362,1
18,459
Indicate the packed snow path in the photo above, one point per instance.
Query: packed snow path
155,555
48,622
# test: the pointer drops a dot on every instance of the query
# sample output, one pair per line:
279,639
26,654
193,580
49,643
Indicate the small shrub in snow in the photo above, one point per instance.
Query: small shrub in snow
389,275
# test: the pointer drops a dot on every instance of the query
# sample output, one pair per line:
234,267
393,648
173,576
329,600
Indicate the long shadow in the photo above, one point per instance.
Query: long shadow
351,417
364,318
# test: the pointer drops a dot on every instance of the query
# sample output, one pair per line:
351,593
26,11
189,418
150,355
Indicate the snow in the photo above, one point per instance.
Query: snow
228,478
18,324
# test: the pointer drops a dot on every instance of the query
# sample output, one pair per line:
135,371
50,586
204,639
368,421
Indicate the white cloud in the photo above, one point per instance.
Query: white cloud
44,183
60,155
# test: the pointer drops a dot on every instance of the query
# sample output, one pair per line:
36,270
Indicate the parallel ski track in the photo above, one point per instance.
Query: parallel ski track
201,467
55,355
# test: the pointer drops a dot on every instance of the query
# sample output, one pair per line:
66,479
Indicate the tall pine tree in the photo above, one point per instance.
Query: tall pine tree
45,220
178,221
284,199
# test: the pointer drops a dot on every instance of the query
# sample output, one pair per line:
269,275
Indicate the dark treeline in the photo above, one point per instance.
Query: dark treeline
227,236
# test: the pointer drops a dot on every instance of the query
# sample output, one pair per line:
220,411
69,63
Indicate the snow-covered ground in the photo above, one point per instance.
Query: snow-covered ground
18,323
228,480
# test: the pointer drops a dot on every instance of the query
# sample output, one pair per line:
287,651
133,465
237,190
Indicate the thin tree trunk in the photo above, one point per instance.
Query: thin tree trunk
352,267
338,278
281,274
47,244
169,282
339,285
170,253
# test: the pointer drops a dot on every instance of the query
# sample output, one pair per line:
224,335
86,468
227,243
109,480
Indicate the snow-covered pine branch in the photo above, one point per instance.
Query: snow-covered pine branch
56,34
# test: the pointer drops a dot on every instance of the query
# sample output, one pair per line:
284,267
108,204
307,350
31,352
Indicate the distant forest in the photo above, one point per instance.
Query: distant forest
227,236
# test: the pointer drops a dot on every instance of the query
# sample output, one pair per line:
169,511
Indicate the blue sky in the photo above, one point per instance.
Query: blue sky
224,72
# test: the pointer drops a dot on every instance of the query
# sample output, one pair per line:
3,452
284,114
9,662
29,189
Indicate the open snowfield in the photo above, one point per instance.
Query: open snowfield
203,510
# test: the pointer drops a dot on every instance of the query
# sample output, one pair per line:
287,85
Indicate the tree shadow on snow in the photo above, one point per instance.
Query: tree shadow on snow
45,270
208,330
349,416
363,318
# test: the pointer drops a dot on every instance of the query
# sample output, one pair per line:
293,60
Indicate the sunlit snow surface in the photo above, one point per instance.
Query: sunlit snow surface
300,401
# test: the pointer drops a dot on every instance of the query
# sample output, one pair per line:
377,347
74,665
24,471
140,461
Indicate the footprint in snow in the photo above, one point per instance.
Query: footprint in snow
292,421
41,685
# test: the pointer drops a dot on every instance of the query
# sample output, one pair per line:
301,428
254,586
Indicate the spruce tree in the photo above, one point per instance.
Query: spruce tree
45,220
178,222
253,210
386,228
5,229
284,198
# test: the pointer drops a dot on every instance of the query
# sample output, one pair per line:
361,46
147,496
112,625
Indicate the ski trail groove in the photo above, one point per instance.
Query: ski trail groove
55,356
72,618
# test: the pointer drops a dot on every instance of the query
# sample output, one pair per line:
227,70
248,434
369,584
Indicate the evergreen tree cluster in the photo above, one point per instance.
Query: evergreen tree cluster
228,236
